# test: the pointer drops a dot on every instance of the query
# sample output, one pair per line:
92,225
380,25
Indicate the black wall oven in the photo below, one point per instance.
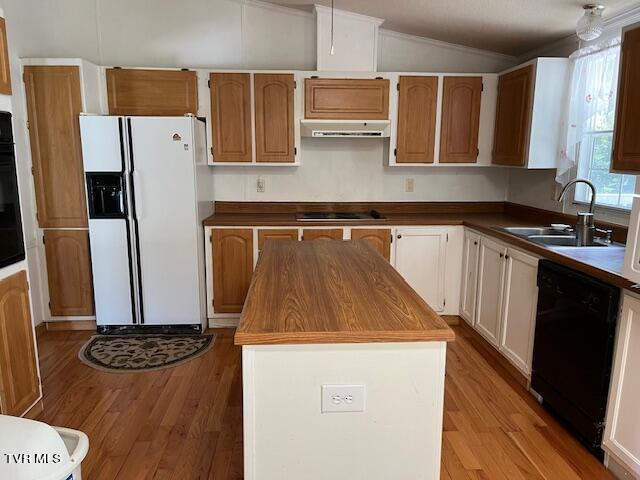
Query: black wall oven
11,241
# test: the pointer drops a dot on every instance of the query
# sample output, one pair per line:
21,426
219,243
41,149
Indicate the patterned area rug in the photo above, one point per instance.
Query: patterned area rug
136,353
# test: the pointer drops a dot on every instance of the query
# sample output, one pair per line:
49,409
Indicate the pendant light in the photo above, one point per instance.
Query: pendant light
591,24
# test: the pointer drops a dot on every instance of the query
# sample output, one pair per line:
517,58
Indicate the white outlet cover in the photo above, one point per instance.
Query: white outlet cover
343,398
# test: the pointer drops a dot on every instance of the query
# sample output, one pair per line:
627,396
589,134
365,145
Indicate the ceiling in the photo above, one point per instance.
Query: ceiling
512,27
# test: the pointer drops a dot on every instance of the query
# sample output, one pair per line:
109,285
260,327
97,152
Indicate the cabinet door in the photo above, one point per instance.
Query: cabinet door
626,144
346,98
417,101
513,117
491,266
460,119
420,259
69,272
152,92
54,104
232,268
274,117
322,234
5,71
276,234
231,117
623,422
519,308
378,238
469,276
19,382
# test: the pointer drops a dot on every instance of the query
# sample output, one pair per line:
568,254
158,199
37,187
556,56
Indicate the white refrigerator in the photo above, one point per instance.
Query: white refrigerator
148,191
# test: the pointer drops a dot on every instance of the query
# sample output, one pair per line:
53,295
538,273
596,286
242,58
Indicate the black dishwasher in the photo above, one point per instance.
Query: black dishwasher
573,349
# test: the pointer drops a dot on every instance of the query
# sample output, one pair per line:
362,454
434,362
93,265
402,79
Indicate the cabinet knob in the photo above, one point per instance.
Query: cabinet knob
501,255
506,256
399,236
475,243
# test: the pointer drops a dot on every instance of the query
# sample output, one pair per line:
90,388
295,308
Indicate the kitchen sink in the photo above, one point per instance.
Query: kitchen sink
562,241
529,231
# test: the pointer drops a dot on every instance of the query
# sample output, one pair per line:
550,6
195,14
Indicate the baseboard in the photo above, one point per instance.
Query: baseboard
71,325
493,356
224,322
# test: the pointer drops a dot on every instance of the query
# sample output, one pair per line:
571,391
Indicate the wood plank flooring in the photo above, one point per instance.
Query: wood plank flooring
186,422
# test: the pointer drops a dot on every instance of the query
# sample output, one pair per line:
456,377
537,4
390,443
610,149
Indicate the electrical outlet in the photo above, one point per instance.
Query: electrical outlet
260,187
342,398
408,185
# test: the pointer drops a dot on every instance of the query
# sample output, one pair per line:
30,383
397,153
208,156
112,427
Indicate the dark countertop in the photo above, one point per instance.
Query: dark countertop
333,292
604,263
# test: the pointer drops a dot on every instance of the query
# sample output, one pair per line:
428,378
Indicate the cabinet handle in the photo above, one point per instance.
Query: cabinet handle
501,255
475,243
399,237
506,256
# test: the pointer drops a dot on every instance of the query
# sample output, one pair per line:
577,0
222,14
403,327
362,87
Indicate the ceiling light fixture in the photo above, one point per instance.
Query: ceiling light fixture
591,24
332,51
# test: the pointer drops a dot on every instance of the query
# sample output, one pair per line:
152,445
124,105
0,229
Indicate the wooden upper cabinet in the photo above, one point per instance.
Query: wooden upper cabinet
460,119
276,234
231,117
322,234
5,71
274,117
54,103
626,144
69,272
232,268
378,238
152,92
346,98
513,117
417,99
19,382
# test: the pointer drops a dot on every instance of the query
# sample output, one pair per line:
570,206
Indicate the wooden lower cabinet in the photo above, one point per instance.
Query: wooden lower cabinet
276,234
69,272
378,238
322,234
232,253
19,381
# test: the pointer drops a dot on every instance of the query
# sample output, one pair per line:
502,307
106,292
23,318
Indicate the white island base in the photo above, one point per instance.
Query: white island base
397,436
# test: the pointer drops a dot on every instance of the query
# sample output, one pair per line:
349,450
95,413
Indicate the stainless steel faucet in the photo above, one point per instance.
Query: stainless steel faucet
584,221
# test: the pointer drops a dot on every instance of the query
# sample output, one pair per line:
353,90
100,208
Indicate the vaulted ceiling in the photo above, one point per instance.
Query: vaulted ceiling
512,27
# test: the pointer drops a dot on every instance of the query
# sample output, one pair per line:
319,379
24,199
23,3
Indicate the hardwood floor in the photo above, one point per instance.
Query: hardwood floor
186,422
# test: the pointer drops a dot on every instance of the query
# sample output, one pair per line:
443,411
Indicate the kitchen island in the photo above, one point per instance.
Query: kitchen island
343,367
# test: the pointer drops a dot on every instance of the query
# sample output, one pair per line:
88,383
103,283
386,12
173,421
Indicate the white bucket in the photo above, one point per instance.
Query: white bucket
31,450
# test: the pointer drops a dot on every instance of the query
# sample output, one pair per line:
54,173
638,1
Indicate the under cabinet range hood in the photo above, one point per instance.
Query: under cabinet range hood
344,128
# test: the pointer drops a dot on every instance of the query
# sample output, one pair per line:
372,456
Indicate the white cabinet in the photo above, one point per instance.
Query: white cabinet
519,304
622,431
470,252
420,255
506,302
491,267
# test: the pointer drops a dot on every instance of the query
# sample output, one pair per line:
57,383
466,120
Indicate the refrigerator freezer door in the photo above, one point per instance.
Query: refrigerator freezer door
164,194
102,143
111,271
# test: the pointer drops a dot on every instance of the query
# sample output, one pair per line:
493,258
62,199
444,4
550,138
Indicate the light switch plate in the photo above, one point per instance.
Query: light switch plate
343,398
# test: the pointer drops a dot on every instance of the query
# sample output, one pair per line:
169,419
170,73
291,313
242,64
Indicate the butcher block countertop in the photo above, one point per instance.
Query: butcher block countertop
606,264
332,292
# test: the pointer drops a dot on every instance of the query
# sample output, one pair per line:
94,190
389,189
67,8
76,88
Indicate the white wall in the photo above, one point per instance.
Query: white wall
353,170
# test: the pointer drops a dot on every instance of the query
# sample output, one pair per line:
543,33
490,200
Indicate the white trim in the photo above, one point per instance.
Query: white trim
344,13
442,44
275,8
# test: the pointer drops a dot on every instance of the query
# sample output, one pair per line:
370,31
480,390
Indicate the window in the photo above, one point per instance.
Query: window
591,117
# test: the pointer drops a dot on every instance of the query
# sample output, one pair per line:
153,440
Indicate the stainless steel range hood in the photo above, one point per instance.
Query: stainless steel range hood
345,128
